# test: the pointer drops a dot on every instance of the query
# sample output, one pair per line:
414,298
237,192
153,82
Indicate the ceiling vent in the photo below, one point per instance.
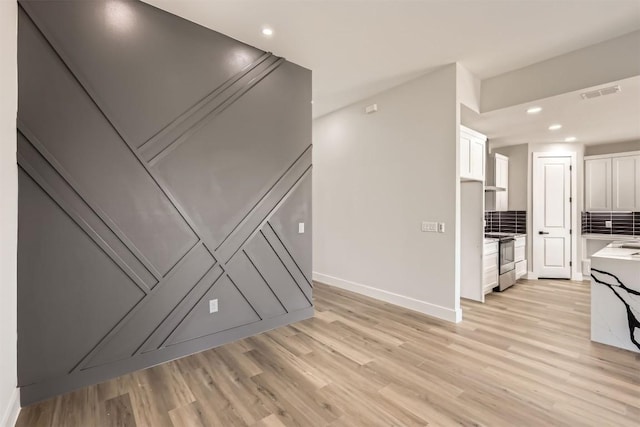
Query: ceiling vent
600,92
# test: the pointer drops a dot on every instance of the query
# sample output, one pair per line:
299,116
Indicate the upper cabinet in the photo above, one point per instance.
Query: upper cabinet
625,182
612,182
472,148
501,169
597,184
497,189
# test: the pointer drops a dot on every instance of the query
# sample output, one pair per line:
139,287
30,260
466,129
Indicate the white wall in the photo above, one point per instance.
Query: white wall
8,212
376,178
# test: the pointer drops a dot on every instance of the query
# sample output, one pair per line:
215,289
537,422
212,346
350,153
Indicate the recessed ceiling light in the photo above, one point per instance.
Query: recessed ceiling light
555,127
267,32
534,110
570,139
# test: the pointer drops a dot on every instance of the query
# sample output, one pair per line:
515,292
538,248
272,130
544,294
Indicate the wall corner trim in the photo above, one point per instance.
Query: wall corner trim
11,412
433,310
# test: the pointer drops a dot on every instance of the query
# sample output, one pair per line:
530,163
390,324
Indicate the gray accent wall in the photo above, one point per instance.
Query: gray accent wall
161,165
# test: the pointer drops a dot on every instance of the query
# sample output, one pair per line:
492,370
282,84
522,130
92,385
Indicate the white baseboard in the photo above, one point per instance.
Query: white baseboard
531,275
12,410
577,276
423,307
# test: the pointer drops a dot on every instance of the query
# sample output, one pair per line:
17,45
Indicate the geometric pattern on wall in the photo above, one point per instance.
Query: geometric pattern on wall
161,165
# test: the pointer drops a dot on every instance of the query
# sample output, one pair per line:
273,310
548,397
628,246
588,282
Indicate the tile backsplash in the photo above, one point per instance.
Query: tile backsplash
505,222
627,223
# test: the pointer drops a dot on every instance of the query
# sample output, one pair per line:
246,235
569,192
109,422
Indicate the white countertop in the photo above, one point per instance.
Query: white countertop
614,251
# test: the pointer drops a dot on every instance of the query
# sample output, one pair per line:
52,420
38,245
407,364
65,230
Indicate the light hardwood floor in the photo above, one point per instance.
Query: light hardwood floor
522,359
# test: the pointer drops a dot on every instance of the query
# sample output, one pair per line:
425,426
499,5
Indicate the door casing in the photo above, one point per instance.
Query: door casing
536,156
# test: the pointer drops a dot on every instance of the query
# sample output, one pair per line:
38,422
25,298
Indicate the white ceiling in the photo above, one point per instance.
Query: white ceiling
606,119
357,48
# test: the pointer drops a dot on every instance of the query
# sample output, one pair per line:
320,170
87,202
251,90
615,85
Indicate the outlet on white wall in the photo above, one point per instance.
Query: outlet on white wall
608,224
301,228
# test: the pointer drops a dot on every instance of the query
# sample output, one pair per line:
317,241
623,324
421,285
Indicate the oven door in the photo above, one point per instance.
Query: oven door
507,255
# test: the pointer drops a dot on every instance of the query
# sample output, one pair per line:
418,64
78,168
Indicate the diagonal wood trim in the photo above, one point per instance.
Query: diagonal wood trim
58,167
81,212
193,115
287,268
158,151
79,220
265,281
182,310
166,343
62,172
153,309
264,221
265,207
173,287
276,241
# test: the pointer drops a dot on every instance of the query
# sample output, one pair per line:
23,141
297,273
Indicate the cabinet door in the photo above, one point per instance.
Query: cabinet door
477,159
626,183
597,184
490,276
521,269
465,157
502,172
502,180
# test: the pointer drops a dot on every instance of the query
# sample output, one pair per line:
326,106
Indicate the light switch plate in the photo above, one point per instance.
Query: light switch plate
300,227
213,306
429,227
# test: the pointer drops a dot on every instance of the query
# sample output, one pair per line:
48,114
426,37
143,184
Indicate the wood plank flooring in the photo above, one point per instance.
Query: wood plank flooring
522,359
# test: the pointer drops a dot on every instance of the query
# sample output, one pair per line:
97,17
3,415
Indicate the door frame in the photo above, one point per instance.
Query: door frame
576,273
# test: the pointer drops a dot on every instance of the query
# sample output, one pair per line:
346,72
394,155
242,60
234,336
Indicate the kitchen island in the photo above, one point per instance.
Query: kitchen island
615,295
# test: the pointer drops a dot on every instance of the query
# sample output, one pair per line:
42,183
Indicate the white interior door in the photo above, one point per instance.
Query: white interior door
552,217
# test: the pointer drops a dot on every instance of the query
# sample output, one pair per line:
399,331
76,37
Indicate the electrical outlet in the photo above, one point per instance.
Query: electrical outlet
429,227
441,227
301,228
608,224
213,306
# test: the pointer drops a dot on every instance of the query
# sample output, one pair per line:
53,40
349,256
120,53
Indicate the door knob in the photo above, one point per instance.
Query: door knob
543,232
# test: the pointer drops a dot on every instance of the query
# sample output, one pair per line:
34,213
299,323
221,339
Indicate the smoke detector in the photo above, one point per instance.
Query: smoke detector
600,92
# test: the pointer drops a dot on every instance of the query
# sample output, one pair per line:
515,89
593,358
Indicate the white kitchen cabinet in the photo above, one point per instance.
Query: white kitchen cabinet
612,182
520,256
502,180
625,183
498,176
490,266
521,269
597,184
472,158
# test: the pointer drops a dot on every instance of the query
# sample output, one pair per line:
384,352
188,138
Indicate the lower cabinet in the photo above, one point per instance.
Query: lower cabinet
520,257
521,269
490,266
